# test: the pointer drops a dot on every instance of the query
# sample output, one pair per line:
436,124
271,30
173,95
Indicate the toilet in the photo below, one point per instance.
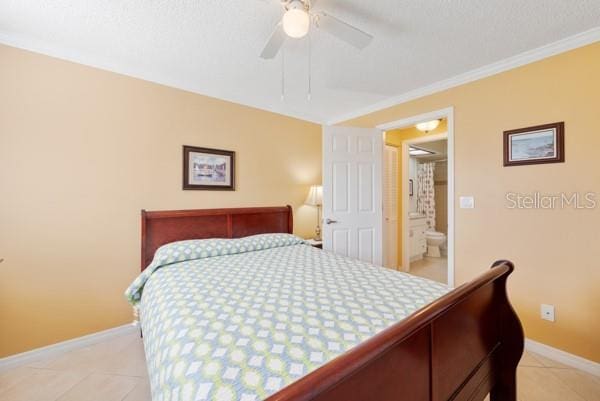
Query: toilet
434,241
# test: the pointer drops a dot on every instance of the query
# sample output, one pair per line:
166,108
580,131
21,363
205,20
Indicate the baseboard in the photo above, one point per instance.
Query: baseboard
64,346
563,357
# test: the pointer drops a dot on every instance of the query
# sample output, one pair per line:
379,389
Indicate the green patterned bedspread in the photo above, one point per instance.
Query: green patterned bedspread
240,319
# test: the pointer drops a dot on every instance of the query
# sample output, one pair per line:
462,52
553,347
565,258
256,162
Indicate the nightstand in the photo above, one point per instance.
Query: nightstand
316,244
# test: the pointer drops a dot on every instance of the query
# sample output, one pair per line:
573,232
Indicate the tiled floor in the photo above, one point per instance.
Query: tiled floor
432,268
115,371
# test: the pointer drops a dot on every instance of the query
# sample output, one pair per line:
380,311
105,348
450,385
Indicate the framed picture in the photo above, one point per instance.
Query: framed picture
535,145
208,169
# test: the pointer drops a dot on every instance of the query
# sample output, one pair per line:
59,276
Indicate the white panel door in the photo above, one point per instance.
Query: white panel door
390,207
352,191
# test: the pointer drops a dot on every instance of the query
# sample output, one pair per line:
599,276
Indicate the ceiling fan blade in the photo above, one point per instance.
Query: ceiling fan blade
274,44
343,31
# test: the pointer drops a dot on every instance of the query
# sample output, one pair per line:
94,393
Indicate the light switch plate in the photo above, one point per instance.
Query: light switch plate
547,312
467,202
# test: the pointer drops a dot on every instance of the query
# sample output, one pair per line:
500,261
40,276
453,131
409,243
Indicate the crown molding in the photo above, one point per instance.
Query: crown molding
527,57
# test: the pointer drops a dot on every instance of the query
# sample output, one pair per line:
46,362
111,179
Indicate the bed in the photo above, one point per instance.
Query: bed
234,307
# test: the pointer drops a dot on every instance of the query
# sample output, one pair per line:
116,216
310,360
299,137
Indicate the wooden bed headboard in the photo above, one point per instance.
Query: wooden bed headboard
162,227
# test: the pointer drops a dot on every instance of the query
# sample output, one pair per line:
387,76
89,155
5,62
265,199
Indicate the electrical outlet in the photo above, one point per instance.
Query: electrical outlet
547,312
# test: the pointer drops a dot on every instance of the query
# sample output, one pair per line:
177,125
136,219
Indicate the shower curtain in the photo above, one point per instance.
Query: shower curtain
426,193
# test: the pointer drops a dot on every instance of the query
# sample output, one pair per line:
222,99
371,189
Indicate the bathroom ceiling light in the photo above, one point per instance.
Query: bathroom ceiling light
412,151
296,20
428,125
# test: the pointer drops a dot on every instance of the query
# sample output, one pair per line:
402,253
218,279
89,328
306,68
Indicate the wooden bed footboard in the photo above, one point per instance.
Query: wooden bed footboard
460,347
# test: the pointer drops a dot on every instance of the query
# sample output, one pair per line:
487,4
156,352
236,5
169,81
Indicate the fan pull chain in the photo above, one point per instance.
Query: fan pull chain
282,74
309,94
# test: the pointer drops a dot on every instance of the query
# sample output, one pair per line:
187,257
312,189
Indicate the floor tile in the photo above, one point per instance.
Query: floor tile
10,377
98,387
529,360
82,360
549,363
110,346
90,358
540,384
141,392
42,385
582,383
128,362
432,268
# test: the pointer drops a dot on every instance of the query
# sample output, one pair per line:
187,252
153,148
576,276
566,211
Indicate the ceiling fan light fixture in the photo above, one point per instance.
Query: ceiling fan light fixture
428,125
296,20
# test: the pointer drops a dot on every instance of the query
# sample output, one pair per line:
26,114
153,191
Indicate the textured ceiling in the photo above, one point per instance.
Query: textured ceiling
212,46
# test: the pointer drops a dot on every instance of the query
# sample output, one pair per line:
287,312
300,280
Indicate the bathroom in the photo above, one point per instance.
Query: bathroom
428,209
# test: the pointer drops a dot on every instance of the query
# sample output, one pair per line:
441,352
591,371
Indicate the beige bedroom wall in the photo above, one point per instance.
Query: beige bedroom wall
556,252
81,152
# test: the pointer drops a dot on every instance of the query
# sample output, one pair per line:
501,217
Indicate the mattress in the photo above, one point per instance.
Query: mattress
239,319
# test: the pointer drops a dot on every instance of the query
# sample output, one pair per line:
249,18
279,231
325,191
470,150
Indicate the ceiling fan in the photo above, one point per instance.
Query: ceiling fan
296,23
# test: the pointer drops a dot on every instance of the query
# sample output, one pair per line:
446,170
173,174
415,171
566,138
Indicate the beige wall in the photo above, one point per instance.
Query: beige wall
81,152
556,252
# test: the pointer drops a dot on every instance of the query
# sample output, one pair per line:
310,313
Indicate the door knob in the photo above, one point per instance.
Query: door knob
329,221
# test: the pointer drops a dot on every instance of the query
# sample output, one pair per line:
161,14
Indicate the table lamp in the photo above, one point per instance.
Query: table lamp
315,198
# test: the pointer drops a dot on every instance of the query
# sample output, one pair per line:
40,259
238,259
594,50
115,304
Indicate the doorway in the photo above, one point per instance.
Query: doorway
426,242
419,184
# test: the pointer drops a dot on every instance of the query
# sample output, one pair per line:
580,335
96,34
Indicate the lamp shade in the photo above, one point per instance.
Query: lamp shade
315,196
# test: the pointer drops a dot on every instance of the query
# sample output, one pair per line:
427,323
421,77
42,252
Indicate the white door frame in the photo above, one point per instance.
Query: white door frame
386,236
447,113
